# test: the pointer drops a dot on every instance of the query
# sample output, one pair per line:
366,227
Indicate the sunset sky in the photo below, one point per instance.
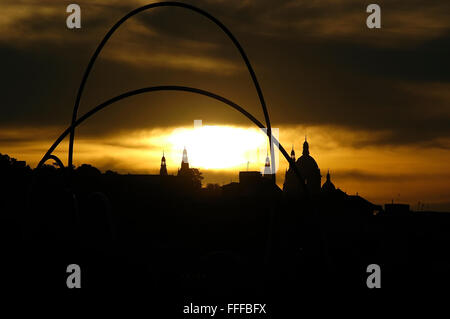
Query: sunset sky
375,104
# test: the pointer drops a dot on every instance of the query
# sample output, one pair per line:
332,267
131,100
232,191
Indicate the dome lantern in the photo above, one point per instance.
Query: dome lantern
305,147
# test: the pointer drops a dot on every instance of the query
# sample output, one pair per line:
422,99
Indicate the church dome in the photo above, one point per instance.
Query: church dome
308,169
328,186
307,163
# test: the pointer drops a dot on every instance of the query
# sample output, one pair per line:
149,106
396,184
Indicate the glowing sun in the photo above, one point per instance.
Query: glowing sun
220,147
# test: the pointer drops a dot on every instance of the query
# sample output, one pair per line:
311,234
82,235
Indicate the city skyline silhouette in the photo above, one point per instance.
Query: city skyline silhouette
316,162
364,137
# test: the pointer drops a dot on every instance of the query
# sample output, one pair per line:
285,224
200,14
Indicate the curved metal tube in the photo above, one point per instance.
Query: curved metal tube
56,159
168,4
169,88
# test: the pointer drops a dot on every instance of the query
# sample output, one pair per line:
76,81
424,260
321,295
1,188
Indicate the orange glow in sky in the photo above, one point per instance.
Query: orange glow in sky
379,173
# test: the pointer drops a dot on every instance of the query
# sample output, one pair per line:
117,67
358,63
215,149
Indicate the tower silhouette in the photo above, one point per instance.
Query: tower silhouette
184,170
267,169
305,148
163,169
309,171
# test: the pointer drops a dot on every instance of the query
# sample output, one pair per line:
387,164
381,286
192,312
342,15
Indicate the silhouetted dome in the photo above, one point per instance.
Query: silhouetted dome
308,169
328,186
307,163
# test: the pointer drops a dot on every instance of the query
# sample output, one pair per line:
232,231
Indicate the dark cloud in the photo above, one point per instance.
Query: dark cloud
316,61
366,176
13,140
128,145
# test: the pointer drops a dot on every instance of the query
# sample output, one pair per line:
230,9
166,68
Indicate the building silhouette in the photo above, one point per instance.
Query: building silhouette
163,169
184,169
190,176
328,186
163,220
308,169
267,169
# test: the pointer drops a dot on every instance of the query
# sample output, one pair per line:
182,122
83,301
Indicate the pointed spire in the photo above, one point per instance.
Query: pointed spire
267,169
293,153
163,169
184,162
328,175
185,157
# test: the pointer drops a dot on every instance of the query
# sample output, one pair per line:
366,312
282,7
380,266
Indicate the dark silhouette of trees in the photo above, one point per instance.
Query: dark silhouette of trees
87,170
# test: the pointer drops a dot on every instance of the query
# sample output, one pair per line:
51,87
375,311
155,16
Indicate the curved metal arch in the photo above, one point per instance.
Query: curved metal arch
168,4
170,88
57,160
